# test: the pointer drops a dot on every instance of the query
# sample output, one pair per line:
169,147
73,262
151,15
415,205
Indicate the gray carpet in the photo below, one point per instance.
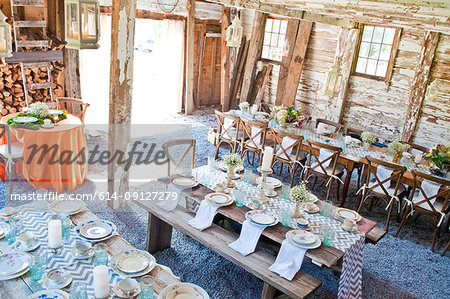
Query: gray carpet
402,267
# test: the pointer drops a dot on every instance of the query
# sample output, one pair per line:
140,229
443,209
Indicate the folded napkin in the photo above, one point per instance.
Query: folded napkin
205,215
228,123
171,203
287,142
324,154
430,189
383,173
250,233
289,260
255,131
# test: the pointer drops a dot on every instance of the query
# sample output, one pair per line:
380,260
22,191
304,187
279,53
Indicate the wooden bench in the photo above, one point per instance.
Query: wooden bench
217,239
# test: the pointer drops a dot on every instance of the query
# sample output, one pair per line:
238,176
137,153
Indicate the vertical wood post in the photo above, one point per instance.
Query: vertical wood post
419,83
225,64
121,90
190,29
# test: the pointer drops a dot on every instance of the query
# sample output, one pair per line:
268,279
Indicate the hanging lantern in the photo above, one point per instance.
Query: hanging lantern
286,48
334,80
432,91
82,24
5,37
234,33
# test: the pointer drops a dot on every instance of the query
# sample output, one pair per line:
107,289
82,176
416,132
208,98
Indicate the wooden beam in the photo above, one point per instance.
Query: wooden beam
189,84
120,91
225,63
72,73
297,61
213,70
291,36
146,14
35,56
419,84
261,83
238,70
254,53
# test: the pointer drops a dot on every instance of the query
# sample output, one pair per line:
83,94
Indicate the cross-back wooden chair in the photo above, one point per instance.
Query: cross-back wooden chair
325,168
10,154
418,148
379,187
253,138
355,133
337,126
178,161
288,155
73,106
434,205
228,131
265,107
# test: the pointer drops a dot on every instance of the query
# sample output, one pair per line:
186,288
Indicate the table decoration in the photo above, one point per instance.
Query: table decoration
299,194
287,117
231,161
185,182
299,235
53,294
439,156
35,117
183,290
101,282
28,242
54,235
367,138
398,148
267,159
343,214
262,182
261,217
151,263
244,106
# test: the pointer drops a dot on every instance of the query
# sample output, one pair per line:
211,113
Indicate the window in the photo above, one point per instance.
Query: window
376,51
274,39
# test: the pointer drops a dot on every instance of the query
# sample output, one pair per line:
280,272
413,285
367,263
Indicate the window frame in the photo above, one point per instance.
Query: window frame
268,60
392,56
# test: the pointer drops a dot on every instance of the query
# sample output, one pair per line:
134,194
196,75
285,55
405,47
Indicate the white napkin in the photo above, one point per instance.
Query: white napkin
289,260
324,154
285,143
430,189
228,123
383,173
205,215
171,203
250,233
255,131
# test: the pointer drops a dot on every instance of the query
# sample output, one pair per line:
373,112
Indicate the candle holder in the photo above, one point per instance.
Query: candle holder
263,184
56,250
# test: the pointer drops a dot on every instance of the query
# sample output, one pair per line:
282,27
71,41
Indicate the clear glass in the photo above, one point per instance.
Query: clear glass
36,266
10,231
286,216
326,208
285,191
248,176
328,235
100,254
147,287
78,291
211,163
239,196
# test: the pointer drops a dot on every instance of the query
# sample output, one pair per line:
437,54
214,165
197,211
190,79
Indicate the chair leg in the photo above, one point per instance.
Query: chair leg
435,234
446,248
338,192
217,150
406,215
359,177
388,217
314,183
294,169
281,168
329,190
253,159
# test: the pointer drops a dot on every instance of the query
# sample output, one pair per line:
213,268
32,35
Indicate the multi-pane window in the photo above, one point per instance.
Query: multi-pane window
375,50
274,39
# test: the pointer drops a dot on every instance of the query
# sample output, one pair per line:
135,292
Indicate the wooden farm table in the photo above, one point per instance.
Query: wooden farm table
23,286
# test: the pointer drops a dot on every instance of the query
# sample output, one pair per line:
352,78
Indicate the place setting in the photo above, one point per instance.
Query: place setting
133,263
96,230
208,209
183,290
68,207
56,279
13,265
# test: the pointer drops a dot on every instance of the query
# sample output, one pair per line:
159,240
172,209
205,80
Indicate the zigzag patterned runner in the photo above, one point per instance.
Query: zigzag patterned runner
350,282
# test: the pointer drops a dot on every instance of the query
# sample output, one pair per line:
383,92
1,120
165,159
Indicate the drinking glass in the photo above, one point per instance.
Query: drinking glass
247,176
285,191
211,163
326,208
78,291
147,286
100,254
286,217
10,231
239,197
36,266
328,235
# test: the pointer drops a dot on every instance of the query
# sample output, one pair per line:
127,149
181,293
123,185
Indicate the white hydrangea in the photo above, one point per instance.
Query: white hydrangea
39,109
232,160
300,193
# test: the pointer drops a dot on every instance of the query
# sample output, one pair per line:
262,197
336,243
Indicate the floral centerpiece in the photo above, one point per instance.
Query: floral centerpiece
299,194
244,106
38,110
231,161
398,148
439,156
287,116
368,138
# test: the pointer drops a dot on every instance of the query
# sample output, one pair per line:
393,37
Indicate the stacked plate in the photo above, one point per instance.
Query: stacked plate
261,217
68,207
96,230
272,181
185,182
342,214
303,239
13,265
219,199
133,263
25,119
8,211
183,290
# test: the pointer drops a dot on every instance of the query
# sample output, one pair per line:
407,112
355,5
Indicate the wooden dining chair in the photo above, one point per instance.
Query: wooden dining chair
287,151
253,139
228,131
418,148
177,155
10,154
337,126
73,106
434,205
381,187
326,168
265,107
355,133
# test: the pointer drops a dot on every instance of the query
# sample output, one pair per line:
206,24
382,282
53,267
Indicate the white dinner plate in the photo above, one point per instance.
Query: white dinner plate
55,112
53,294
12,263
270,180
12,276
183,290
314,245
132,262
25,119
150,266
347,213
186,182
303,237
68,207
261,217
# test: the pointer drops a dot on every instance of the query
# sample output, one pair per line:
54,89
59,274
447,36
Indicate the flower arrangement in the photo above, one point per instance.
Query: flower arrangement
39,109
289,115
244,106
399,147
439,155
232,160
300,193
368,137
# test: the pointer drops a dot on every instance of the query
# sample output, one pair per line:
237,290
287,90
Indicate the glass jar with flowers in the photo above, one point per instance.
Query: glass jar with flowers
439,156
367,138
231,161
244,106
398,148
299,194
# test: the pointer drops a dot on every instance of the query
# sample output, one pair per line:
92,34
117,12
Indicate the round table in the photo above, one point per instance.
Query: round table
63,166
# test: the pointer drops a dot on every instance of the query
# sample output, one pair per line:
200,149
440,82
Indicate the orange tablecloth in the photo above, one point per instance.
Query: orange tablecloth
68,138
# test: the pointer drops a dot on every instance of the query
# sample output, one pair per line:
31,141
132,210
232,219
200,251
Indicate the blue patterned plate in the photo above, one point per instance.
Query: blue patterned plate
49,294
83,227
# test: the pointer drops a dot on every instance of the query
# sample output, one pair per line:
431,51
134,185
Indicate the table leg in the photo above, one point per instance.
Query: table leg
348,178
159,234
268,291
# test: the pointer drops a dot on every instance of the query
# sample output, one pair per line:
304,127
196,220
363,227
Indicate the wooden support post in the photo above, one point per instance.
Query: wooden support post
213,70
268,291
189,84
72,73
159,234
296,65
121,91
225,65
291,36
419,83
254,52
201,38
55,18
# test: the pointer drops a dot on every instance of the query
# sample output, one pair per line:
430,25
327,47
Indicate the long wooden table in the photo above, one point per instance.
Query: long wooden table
23,286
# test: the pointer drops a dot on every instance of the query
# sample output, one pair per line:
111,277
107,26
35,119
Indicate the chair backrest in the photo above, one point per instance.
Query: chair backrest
177,161
224,127
283,152
247,137
353,132
338,127
417,147
265,107
73,106
396,175
444,191
332,159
